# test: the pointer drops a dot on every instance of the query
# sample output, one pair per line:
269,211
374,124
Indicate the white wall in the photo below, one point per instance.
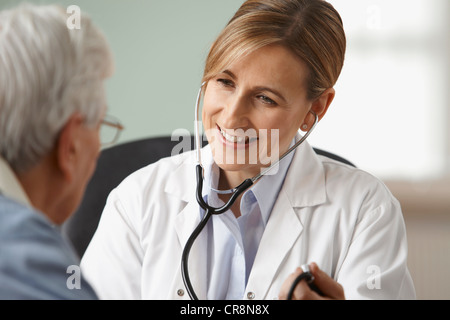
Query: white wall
391,113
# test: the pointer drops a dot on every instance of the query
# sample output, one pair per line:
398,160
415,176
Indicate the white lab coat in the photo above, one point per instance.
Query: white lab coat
327,212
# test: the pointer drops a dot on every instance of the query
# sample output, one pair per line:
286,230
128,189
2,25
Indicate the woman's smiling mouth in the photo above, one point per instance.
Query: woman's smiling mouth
243,138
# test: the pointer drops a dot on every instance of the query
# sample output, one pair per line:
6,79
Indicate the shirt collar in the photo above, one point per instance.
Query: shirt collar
10,186
264,192
304,186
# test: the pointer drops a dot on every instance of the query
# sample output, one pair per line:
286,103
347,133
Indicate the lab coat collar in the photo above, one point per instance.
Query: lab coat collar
186,171
305,181
304,184
10,186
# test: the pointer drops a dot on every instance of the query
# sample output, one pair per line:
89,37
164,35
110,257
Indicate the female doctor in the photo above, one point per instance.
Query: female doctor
268,74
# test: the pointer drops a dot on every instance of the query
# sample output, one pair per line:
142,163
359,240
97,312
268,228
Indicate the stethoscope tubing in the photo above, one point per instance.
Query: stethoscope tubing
209,211
185,255
236,192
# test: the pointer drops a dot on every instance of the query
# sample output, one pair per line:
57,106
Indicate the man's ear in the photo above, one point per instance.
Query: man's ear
66,151
319,107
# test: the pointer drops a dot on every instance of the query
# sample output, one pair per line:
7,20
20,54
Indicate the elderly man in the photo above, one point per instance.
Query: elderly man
52,105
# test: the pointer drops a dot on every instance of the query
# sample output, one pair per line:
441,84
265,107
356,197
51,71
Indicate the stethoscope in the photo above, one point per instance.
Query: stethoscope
236,192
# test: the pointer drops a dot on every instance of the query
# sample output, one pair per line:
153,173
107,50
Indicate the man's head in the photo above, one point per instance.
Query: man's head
52,99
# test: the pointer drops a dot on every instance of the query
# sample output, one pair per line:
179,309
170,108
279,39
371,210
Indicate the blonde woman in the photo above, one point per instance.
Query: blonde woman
271,70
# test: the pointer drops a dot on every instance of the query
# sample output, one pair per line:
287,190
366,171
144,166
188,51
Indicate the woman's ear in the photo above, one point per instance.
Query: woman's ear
66,150
319,107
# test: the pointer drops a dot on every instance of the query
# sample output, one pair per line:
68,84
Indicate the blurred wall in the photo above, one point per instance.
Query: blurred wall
391,112
159,49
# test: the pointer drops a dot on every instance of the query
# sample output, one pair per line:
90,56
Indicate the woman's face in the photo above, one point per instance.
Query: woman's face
254,108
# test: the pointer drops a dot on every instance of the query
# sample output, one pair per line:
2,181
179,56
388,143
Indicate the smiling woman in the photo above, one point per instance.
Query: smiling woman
270,101
300,63
272,69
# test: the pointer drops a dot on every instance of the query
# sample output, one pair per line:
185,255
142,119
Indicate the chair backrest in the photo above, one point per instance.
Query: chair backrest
114,165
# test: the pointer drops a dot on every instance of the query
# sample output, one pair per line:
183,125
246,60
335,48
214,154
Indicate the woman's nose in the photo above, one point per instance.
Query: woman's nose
235,113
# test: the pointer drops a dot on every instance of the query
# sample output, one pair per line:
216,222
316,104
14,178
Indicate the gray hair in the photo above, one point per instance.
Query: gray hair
48,72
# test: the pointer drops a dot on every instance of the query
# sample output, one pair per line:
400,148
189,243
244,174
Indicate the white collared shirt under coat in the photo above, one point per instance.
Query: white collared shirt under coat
340,217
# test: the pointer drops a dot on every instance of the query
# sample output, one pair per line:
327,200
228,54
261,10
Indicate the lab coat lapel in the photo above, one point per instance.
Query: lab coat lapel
304,186
282,230
185,222
305,181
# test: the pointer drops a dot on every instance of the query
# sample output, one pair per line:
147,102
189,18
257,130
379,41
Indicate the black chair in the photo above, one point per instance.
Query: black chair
114,165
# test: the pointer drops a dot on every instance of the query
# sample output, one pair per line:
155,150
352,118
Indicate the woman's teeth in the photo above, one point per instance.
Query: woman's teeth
231,138
242,139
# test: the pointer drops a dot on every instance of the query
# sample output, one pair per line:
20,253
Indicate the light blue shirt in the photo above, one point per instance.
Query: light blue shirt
34,258
36,261
233,243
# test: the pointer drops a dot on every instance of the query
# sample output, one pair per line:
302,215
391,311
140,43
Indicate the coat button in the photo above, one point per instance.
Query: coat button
250,295
180,292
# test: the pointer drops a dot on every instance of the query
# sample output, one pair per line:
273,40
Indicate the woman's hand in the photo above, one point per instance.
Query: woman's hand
331,289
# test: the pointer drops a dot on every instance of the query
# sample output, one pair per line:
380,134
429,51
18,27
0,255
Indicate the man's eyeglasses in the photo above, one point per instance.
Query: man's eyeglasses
110,130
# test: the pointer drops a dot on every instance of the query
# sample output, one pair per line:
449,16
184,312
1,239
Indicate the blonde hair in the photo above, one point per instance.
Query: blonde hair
311,29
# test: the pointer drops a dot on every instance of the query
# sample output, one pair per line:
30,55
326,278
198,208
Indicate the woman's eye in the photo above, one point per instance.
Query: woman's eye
266,100
225,82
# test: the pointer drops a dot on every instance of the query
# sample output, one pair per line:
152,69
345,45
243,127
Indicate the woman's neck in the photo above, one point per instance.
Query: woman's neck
229,180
